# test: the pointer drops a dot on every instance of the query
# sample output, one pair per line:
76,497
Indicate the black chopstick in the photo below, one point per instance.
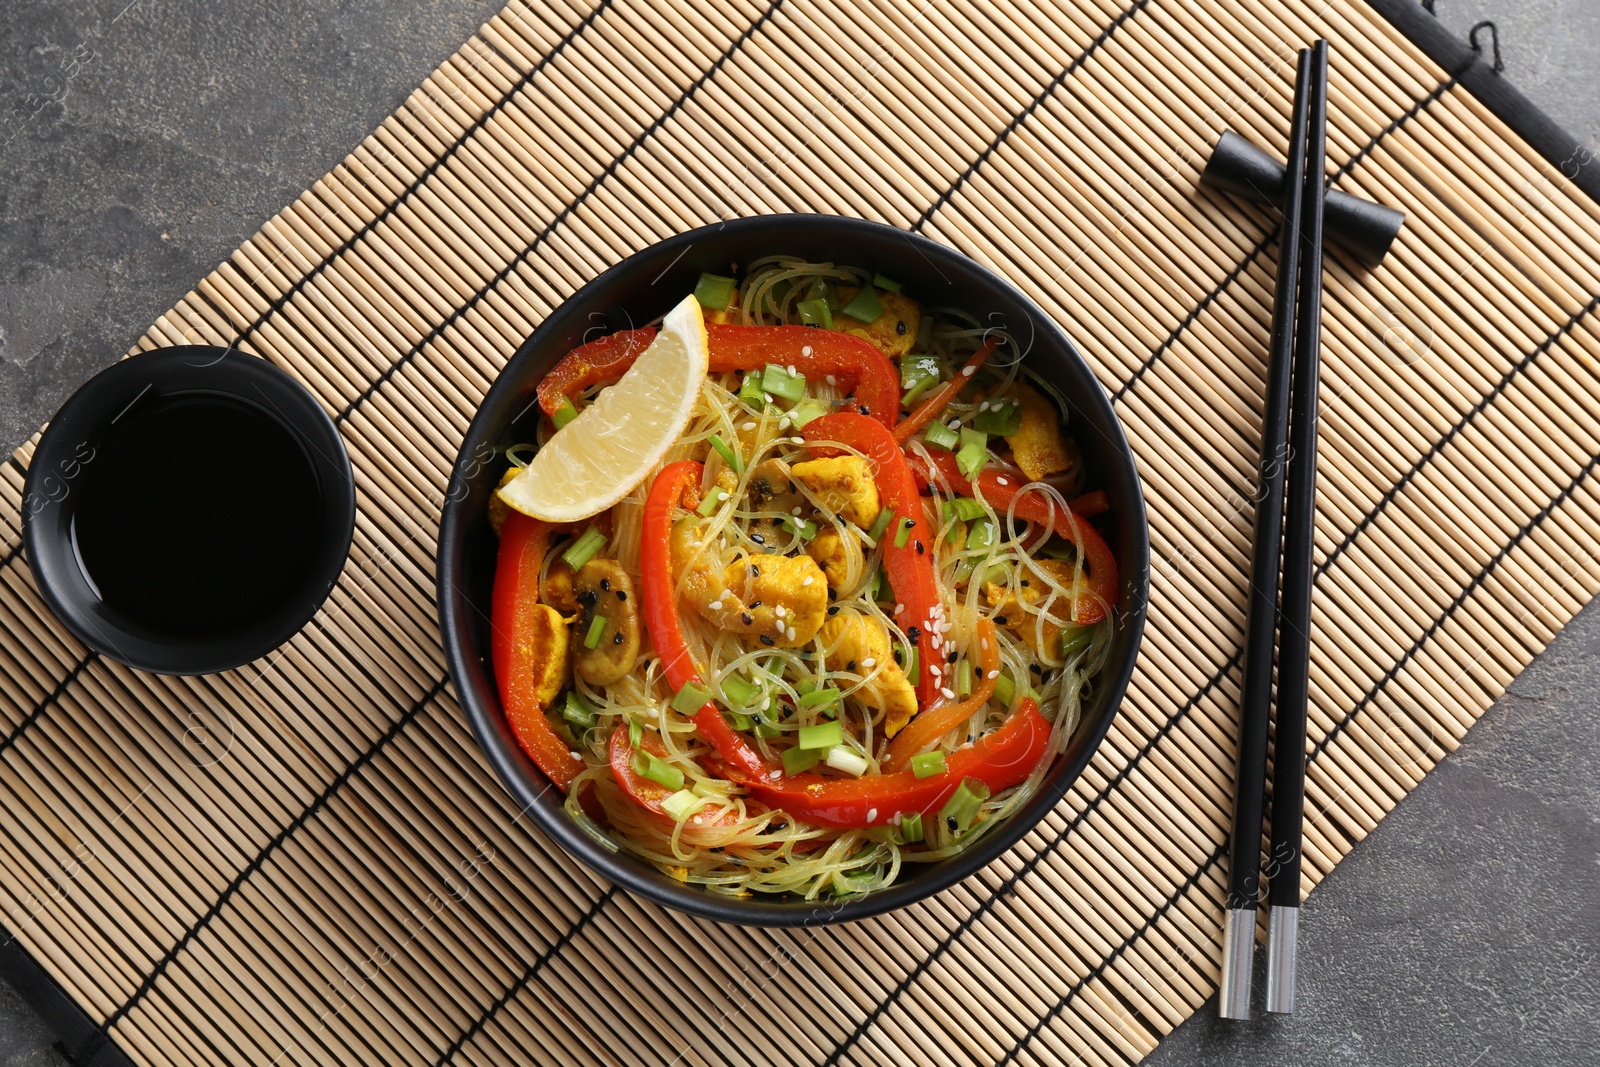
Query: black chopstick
1294,623
1255,698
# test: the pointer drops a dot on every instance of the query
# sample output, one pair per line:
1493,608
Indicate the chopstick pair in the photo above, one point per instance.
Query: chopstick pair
1284,527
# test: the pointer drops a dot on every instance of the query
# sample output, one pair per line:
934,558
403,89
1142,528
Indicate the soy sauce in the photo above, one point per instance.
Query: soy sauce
199,514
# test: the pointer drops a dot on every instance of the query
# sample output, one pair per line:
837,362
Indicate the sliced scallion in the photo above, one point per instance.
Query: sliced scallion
712,499
732,458
962,808
635,733
821,736
714,292
1075,639
750,391
799,760
1002,417
822,289
779,382
848,761
864,306
805,411
577,711
1005,690
738,692
819,697
888,285
597,627
902,533
690,699
649,765
804,529
973,453
680,804
585,548
964,678
911,827
738,720
564,414
967,509
982,534
927,764
815,312
941,436
880,524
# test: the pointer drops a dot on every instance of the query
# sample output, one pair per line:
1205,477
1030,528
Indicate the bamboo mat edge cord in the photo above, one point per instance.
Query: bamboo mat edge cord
307,861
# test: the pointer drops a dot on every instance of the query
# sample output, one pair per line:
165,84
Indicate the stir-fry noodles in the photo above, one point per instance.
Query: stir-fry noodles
845,622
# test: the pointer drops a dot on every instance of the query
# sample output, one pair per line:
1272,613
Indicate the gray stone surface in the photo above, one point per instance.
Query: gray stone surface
142,140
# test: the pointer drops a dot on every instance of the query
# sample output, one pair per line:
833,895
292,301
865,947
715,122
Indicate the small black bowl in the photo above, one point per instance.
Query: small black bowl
236,391
641,289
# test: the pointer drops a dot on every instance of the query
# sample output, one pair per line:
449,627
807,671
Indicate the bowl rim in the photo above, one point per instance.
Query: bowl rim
231,372
527,789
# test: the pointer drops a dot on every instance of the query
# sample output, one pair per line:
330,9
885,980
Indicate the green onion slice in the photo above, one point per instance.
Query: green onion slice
927,764
585,548
714,292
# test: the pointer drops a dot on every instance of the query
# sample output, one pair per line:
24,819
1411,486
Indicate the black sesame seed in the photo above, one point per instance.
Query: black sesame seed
748,618
831,594
950,821
913,632
833,609
588,597
999,620
864,409
621,595
758,539
1024,583
605,583
1035,668
767,640
850,666
755,570
616,638
755,604
900,327
920,549
951,658
905,413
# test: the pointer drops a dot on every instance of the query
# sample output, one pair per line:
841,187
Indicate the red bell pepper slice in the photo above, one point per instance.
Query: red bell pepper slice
1001,488
658,597
586,365
523,542
936,722
910,567
854,363
999,760
647,792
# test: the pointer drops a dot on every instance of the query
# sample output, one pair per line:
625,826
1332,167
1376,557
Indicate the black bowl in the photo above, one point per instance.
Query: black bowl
641,289
66,453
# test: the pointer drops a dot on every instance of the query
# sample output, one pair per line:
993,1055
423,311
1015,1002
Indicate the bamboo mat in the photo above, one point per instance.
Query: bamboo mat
307,861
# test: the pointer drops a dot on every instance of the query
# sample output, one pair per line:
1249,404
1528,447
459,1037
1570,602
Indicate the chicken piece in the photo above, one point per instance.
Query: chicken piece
549,649
832,554
1040,445
772,491
606,592
862,645
556,589
844,485
785,597
893,332
499,509
1019,609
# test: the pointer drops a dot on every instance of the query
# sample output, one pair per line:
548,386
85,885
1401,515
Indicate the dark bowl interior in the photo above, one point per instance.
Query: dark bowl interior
74,438
640,290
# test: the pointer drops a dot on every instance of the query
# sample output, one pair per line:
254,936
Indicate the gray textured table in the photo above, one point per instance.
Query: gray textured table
142,140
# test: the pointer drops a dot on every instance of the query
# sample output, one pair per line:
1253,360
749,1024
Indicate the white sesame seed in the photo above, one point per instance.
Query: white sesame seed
872,814
780,611
747,427
775,775
949,694
983,406
792,633
967,372
898,608
994,674
794,511
574,755
715,605
832,380
807,580
869,662
797,440
1002,481
783,423
766,398
983,644
955,424
805,350
792,370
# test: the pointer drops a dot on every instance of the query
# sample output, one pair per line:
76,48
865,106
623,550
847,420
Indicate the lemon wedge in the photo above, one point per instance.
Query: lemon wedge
599,457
